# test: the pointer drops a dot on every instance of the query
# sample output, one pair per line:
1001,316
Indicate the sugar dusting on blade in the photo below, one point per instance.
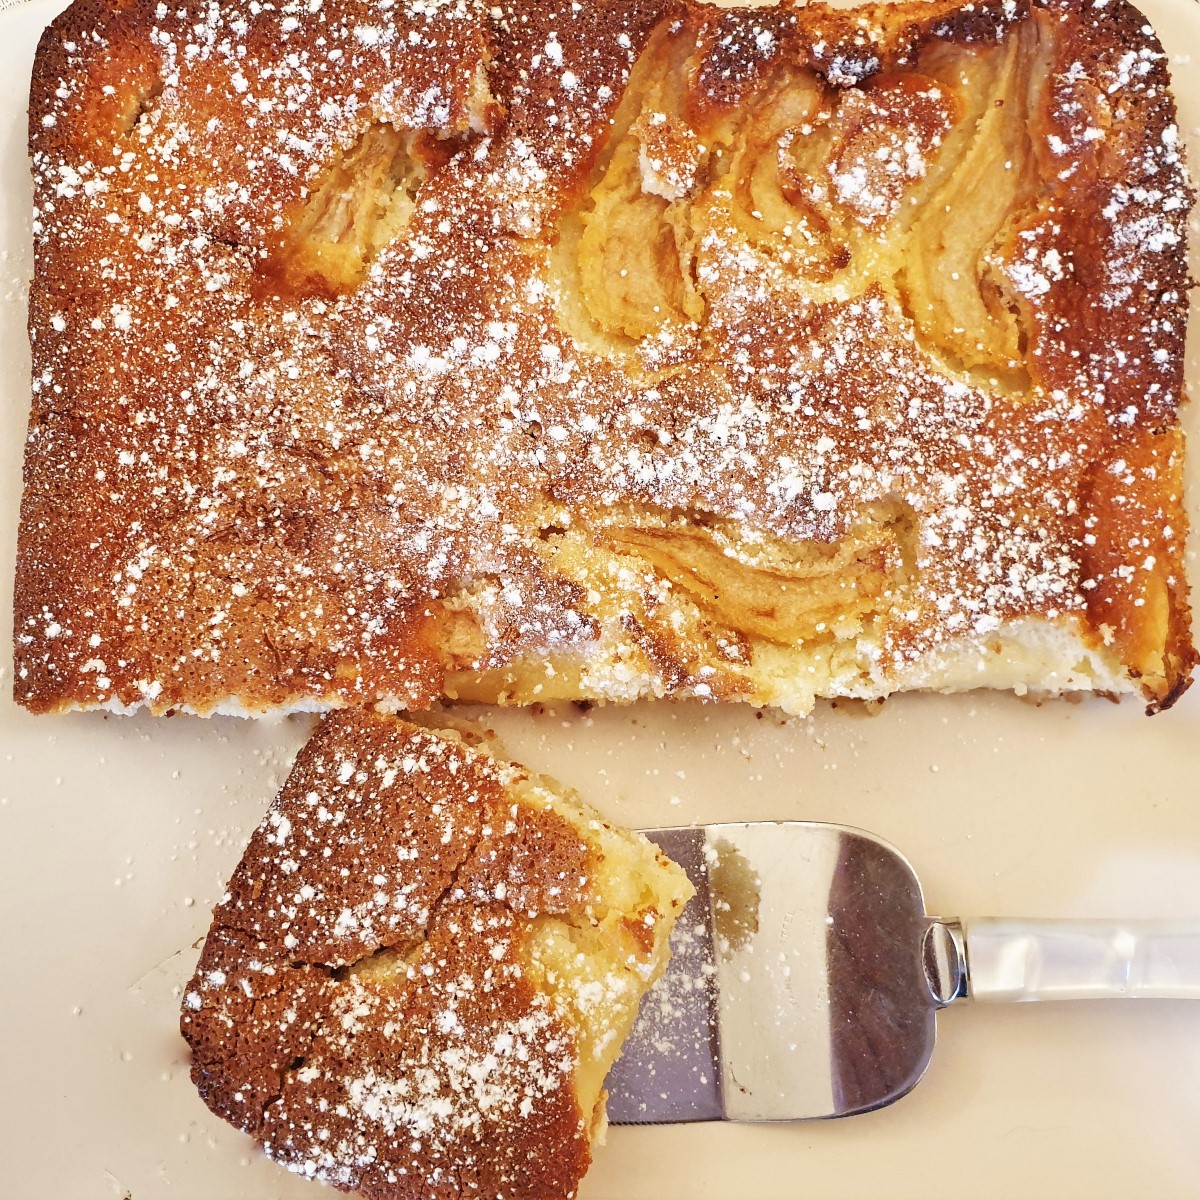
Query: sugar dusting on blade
796,991
668,1070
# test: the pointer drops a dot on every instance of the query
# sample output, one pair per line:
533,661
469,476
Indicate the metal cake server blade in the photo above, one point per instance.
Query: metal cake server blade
806,977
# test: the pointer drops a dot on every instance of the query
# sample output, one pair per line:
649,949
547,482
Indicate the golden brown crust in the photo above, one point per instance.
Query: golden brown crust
371,1003
298,444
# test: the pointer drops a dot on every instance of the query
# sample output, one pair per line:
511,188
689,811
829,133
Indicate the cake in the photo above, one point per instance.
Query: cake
391,354
424,967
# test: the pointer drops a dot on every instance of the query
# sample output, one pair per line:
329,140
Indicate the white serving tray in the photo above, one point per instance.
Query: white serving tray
117,834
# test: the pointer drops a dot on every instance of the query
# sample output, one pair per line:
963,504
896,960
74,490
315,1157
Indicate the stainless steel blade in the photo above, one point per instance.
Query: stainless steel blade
796,989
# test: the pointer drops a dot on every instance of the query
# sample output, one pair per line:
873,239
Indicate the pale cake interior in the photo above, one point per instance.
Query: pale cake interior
599,968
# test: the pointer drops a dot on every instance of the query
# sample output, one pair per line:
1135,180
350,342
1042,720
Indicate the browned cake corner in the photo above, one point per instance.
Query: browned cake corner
425,964
602,350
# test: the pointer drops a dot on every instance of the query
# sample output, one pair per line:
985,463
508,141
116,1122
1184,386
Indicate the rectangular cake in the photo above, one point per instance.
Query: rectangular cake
399,353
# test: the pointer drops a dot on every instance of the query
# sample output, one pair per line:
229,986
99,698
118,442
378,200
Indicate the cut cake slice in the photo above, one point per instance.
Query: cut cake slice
424,967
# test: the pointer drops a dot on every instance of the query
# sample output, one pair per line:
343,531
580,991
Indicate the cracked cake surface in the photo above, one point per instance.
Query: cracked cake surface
424,966
388,354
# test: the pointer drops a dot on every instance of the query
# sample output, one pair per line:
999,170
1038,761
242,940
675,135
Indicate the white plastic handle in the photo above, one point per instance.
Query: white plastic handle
1010,960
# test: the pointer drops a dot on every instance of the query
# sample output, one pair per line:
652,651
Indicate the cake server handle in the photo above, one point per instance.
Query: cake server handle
995,960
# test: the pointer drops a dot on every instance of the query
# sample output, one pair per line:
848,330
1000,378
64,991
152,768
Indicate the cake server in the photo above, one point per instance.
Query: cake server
806,977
